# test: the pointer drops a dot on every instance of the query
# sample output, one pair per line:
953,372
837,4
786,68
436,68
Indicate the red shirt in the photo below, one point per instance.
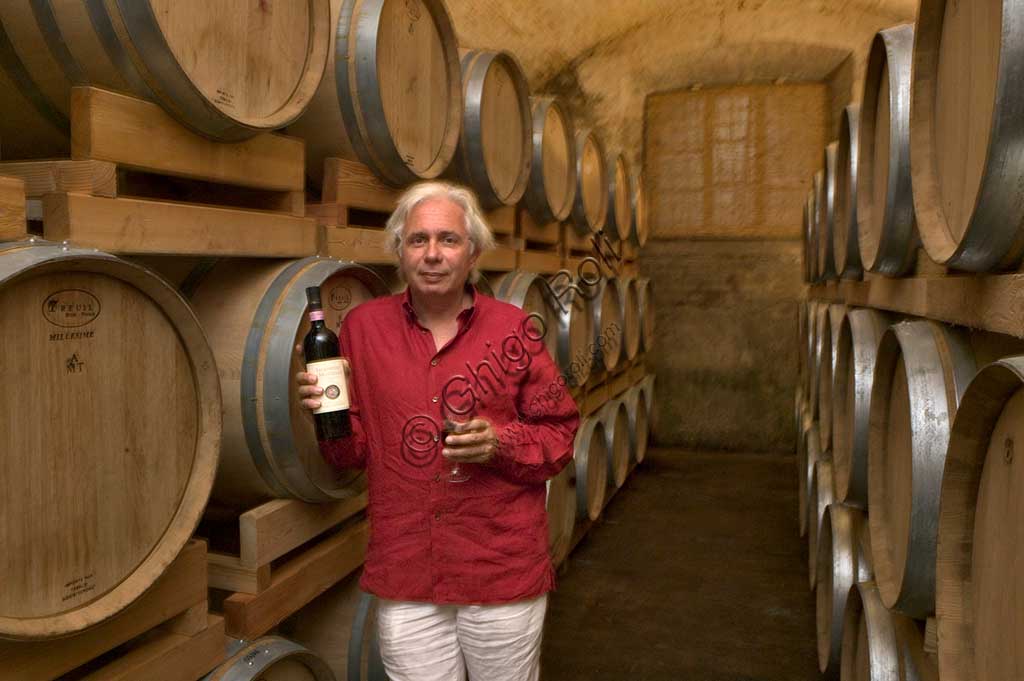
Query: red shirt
480,541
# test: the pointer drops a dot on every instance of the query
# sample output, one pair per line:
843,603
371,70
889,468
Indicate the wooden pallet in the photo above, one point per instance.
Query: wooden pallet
354,208
162,655
303,577
988,302
263,535
176,604
12,209
540,245
139,182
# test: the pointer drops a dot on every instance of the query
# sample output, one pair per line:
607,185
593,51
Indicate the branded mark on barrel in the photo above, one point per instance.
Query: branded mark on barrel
79,586
339,298
73,364
71,307
72,335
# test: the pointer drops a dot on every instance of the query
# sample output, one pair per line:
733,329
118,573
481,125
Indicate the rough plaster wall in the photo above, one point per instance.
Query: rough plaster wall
729,168
727,342
732,162
606,57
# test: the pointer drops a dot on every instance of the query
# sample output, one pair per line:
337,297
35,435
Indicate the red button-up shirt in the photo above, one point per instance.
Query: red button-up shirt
484,540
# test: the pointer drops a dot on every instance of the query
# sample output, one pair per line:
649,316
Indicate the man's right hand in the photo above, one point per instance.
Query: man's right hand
309,392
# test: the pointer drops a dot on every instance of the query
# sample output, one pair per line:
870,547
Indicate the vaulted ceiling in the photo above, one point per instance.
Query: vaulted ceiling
607,56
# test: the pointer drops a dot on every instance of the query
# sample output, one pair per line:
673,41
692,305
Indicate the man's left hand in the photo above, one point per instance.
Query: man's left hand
472,442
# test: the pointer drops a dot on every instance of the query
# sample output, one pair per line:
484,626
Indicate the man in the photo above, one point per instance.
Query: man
459,559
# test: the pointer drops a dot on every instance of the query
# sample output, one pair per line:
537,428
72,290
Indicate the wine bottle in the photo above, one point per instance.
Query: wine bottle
323,358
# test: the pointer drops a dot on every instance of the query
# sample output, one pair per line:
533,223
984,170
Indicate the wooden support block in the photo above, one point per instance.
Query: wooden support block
98,178
357,244
227,572
931,636
352,184
271,530
158,227
529,229
638,370
190,622
12,209
572,241
182,586
989,302
298,582
168,656
133,133
502,220
595,399
499,259
545,262
619,383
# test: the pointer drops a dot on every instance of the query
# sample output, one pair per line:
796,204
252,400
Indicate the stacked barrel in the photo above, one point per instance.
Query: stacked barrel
906,426
141,388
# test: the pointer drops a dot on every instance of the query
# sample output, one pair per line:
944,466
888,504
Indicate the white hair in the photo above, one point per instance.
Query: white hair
480,237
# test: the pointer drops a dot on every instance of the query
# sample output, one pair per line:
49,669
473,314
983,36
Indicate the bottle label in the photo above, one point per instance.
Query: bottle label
330,375
316,315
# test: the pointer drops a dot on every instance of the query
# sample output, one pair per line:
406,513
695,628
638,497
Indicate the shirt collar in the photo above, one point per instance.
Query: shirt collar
465,316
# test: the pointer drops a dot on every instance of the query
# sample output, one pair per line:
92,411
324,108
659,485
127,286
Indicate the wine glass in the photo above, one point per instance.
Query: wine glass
452,421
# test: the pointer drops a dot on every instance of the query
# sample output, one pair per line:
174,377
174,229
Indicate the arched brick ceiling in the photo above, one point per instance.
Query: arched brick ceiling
606,56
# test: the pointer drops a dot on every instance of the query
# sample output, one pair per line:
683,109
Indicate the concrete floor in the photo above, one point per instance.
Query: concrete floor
695,572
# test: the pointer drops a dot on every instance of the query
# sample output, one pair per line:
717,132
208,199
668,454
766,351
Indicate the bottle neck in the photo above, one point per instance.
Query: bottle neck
316,317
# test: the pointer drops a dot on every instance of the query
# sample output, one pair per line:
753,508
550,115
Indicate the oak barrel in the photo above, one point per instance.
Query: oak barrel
551,191
818,500
885,202
259,73
392,93
615,417
575,350
561,508
324,625
629,304
921,370
817,203
590,454
272,658
845,246
531,293
641,228
619,222
829,344
879,644
841,564
364,660
608,330
819,353
645,307
254,313
590,207
494,152
859,336
808,455
806,236
636,408
979,540
652,412
827,215
109,457
967,117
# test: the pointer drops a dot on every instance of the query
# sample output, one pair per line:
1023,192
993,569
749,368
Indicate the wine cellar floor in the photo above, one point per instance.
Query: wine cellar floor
696,571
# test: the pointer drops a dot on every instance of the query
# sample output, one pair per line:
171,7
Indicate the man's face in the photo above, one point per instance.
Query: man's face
436,255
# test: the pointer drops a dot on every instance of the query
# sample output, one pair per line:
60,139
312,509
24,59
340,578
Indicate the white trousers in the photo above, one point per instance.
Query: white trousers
427,642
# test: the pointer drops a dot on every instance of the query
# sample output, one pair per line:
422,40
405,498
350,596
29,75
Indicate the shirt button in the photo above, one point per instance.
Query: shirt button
434,398
437,515
436,438
433,362
437,477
